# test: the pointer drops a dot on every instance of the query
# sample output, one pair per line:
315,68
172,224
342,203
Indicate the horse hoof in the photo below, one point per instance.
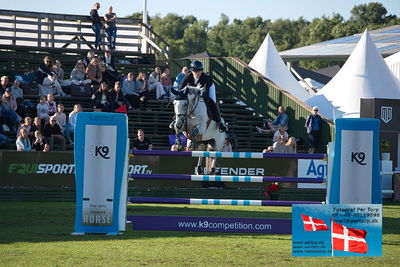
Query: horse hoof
199,170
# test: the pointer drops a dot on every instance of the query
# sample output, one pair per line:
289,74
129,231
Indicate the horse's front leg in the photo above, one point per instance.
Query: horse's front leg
199,169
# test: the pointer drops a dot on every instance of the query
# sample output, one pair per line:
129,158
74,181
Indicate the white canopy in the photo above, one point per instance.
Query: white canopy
364,75
269,63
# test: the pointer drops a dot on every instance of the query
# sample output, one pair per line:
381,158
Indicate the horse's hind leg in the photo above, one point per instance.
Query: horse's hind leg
199,169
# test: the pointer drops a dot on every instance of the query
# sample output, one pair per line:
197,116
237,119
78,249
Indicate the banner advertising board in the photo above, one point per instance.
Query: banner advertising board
100,153
337,230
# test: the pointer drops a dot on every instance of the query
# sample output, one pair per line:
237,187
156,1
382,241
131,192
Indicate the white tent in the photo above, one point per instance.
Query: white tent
269,63
364,75
393,62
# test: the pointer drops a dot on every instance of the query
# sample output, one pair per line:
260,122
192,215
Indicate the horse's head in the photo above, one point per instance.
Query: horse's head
180,108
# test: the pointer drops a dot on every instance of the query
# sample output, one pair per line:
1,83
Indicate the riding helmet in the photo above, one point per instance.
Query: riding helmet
196,65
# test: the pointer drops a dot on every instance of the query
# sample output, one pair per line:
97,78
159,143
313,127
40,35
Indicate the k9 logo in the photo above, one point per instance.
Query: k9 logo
102,151
358,157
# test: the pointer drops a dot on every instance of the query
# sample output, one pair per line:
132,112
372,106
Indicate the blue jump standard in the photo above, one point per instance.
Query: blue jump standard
214,154
218,178
230,202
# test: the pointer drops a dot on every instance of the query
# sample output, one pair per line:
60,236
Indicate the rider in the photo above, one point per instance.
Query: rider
204,81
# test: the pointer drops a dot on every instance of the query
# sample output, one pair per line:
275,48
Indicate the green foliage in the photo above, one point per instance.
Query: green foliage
242,38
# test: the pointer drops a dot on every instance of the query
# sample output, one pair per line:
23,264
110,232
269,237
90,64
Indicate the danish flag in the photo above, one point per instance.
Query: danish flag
348,239
312,224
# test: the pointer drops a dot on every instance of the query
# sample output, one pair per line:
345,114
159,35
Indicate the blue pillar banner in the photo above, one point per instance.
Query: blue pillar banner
100,154
355,173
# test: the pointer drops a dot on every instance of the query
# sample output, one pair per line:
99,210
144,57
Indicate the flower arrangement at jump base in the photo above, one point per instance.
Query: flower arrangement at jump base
271,190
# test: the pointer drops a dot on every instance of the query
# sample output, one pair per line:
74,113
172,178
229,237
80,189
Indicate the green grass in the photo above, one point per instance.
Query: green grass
38,234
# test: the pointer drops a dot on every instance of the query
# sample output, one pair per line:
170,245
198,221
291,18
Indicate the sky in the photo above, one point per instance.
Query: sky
206,9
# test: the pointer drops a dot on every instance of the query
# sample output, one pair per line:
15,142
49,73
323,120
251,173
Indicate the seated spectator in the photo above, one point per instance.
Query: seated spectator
43,109
227,147
72,115
78,74
89,56
166,81
36,126
291,146
60,74
4,139
141,142
142,89
281,119
23,143
24,107
110,73
94,73
9,119
129,90
268,149
279,146
52,133
39,141
51,104
47,78
99,98
46,148
155,83
27,124
4,84
115,97
281,131
179,78
9,101
66,128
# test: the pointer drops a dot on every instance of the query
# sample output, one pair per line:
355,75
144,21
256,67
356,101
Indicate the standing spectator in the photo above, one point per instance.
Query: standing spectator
52,106
78,74
43,109
39,141
96,24
4,84
99,98
115,97
166,81
60,74
129,91
66,128
111,27
155,83
47,78
313,125
72,115
52,133
23,143
93,72
142,142
142,88
281,119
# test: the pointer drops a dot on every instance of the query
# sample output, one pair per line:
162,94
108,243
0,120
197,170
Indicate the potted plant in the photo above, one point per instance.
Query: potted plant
384,146
271,191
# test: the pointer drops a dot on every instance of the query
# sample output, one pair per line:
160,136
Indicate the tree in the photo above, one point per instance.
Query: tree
368,14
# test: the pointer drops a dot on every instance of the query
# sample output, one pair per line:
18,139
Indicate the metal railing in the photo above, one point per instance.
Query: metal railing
24,28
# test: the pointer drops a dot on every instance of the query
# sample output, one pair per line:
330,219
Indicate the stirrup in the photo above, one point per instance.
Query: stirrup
172,125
